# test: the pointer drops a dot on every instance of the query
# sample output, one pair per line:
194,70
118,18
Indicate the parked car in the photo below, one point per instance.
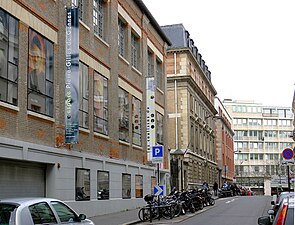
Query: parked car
30,211
284,215
279,200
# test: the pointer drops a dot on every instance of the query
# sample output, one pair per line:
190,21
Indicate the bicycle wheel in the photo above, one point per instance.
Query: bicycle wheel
212,201
177,209
144,214
168,212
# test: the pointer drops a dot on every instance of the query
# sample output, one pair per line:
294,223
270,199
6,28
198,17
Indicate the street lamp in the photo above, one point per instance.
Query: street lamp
178,155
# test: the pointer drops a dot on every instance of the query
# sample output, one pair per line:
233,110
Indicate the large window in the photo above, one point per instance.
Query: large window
123,115
100,103
80,5
99,17
150,64
160,77
84,98
122,37
138,186
126,185
136,121
103,185
40,74
9,50
134,50
159,129
82,184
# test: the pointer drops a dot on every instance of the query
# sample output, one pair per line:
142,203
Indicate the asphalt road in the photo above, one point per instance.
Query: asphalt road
232,211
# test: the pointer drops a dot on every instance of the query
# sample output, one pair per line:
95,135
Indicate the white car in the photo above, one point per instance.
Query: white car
30,211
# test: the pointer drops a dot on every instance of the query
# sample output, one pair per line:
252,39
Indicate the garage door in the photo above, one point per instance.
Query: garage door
21,179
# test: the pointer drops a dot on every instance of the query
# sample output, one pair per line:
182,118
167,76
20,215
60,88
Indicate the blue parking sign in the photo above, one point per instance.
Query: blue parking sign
157,154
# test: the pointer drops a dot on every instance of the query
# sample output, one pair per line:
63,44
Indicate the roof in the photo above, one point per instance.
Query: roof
153,21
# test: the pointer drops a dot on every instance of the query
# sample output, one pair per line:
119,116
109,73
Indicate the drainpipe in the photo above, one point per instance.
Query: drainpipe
176,105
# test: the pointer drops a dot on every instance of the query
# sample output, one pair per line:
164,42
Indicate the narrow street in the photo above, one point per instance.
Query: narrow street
232,211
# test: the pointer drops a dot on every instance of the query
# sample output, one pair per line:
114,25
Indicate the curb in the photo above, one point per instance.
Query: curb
174,220
132,222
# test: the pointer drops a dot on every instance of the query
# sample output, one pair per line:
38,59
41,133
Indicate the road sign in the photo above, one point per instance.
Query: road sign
157,154
158,190
288,153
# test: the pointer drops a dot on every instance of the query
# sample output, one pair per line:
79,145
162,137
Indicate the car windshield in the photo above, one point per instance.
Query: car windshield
290,217
5,212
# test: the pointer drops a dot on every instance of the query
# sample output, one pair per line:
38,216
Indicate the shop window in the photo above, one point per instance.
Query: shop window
138,186
126,186
103,185
82,184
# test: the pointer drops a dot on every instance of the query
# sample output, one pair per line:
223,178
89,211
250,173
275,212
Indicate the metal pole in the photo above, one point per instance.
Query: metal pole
288,177
158,173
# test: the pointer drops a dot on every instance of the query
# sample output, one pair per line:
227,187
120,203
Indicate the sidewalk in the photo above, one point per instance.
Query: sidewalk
119,218
130,217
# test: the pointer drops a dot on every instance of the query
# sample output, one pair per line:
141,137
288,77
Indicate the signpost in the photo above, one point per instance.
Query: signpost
288,155
158,190
157,157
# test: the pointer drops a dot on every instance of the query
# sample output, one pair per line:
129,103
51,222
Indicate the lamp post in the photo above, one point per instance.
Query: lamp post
179,156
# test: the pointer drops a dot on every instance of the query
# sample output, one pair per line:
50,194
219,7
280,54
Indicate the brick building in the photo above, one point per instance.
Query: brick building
120,44
224,144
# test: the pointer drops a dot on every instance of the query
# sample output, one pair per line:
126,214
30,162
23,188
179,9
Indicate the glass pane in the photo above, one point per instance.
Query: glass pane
13,40
41,213
36,102
12,73
49,106
49,89
36,62
3,58
49,60
82,184
102,185
139,186
64,213
126,186
3,89
4,25
12,93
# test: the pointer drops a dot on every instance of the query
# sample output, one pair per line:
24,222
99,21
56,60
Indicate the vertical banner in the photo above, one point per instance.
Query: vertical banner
72,76
150,116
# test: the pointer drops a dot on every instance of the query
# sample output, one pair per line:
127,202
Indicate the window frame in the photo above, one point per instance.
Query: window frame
100,93
123,115
7,59
99,18
138,186
126,193
122,37
33,84
85,181
83,95
107,196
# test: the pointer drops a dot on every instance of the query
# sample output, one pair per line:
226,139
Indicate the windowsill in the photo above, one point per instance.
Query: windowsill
31,113
103,41
136,70
125,60
84,130
137,147
101,135
12,107
124,143
84,25
162,92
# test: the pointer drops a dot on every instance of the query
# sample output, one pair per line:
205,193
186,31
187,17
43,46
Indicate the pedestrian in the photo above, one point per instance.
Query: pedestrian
215,188
205,186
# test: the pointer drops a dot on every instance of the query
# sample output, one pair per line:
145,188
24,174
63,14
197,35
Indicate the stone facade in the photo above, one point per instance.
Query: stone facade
190,95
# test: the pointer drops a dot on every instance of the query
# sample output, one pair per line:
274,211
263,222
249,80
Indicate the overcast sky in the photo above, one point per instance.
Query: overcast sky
248,45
